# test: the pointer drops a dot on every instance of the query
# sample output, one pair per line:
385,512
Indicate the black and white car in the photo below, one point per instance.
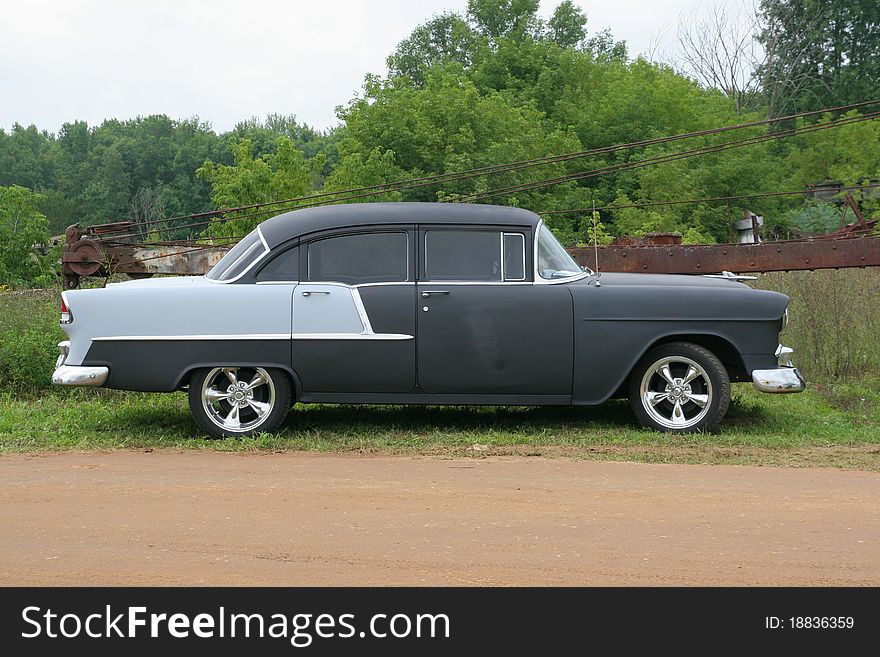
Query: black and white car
422,303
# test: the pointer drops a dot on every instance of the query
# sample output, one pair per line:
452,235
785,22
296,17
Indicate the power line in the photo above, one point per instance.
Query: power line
611,168
404,184
663,158
739,197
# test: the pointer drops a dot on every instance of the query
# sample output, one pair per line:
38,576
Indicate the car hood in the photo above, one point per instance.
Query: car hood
667,280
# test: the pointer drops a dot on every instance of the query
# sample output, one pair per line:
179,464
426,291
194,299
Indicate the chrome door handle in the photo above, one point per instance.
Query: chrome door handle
309,293
428,293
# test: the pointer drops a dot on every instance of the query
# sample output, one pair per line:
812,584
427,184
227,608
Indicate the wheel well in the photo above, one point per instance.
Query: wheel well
722,348
183,383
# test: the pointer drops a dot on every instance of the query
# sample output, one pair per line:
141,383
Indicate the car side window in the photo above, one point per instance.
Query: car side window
513,247
474,255
283,267
359,258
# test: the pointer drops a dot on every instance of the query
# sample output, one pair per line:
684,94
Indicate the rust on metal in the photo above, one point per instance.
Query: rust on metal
165,259
740,258
83,256
851,246
115,227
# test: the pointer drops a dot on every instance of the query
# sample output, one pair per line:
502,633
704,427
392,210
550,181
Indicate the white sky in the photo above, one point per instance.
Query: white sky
228,60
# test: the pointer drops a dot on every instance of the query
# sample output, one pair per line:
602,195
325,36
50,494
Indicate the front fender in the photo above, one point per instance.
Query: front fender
616,325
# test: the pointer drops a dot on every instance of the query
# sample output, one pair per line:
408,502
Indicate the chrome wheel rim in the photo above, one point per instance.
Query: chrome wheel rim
676,392
238,399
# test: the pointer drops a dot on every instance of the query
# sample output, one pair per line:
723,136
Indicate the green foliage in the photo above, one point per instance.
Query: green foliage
29,336
596,232
567,25
281,174
22,228
97,174
497,83
834,326
444,38
357,170
814,218
821,53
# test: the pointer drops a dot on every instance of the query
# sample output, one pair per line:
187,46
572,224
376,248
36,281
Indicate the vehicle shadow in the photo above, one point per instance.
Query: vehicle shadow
431,419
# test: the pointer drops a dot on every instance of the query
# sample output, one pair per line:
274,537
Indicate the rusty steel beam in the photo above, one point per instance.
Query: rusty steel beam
83,256
163,259
739,258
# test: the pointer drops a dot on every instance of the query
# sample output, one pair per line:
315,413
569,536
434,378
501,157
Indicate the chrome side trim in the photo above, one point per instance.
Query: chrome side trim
265,252
351,336
361,311
277,282
78,375
779,380
503,258
383,284
263,239
231,336
445,283
544,281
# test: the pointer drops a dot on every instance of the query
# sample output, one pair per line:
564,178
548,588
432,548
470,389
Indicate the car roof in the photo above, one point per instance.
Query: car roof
289,225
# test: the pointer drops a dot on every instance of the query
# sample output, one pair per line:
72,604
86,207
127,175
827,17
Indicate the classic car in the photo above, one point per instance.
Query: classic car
423,303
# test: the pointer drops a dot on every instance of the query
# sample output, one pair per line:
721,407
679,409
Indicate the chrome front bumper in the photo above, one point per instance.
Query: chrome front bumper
782,379
76,375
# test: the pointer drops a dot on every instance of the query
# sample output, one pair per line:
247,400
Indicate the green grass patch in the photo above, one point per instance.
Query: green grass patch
836,425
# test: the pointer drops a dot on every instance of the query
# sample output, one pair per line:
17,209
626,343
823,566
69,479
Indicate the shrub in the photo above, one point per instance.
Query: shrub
29,336
834,327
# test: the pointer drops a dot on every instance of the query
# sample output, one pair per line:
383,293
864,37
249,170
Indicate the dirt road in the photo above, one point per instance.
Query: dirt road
192,518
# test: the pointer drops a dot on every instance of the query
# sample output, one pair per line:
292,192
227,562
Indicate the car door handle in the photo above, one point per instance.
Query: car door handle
428,293
309,293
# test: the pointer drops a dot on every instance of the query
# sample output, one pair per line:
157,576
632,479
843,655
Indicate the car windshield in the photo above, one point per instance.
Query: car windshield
553,260
239,258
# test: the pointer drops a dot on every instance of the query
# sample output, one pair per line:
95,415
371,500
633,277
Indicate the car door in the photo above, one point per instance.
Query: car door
354,312
484,326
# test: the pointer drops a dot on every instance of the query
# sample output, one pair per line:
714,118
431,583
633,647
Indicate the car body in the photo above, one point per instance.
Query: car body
423,303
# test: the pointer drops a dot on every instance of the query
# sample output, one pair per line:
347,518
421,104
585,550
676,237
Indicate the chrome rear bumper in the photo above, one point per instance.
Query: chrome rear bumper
782,379
76,375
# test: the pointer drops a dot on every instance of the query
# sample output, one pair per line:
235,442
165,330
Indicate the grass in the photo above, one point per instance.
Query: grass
829,425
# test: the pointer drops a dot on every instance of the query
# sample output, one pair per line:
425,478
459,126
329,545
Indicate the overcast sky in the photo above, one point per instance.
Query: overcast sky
227,60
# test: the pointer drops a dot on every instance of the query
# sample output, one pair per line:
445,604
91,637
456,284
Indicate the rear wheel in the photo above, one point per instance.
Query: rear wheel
679,387
239,401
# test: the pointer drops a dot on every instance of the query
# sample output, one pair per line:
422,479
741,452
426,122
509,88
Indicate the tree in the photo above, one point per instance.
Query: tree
22,227
276,176
447,37
567,25
820,53
505,18
720,49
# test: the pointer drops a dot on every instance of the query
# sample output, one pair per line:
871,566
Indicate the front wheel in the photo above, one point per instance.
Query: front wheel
239,401
679,387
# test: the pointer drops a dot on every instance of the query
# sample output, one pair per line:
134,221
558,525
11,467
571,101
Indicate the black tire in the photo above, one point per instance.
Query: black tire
229,402
691,394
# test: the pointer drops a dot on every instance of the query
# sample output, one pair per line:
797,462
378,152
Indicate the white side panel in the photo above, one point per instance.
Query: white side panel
192,307
326,308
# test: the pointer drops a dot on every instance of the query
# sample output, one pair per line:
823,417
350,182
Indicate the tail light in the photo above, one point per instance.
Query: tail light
66,315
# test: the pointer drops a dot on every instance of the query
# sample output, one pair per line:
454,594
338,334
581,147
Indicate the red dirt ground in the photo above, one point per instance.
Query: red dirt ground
208,518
